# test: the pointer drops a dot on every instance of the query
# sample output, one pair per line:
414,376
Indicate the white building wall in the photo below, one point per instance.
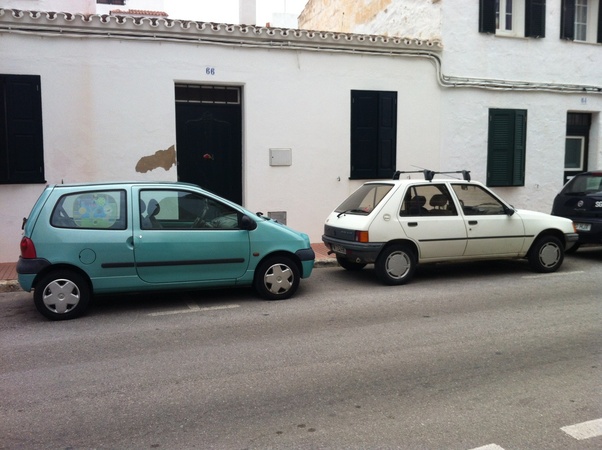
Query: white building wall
549,60
109,102
482,58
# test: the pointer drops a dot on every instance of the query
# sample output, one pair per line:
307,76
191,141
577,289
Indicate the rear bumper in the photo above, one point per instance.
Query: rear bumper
358,252
27,269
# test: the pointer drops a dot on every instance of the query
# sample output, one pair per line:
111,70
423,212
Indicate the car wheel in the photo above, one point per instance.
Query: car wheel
572,249
546,254
62,295
277,278
349,265
396,264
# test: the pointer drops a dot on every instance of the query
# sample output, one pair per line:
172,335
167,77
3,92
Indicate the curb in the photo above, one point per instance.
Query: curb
9,286
330,262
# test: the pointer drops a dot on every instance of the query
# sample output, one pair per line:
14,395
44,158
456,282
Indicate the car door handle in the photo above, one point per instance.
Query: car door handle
472,222
412,224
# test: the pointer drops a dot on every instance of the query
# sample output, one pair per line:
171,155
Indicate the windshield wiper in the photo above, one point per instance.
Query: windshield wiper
355,210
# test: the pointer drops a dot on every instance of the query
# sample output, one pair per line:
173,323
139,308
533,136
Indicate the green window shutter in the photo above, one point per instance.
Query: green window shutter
506,147
520,143
487,16
21,146
535,18
373,134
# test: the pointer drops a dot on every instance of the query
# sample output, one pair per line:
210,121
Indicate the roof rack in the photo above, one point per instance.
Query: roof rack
430,174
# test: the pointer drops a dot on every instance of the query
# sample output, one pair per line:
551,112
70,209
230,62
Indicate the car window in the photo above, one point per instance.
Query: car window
477,201
584,184
427,200
176,209
364,200
92,210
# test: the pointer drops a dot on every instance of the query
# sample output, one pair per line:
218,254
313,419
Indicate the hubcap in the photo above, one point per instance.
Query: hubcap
398,265
278,279
61,296
549,255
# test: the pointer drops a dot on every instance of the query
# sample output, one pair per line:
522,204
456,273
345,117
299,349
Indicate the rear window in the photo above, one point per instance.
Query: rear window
91,210
365,199
584,184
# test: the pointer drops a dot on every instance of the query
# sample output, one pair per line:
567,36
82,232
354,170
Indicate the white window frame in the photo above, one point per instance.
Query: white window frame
590,24
517,28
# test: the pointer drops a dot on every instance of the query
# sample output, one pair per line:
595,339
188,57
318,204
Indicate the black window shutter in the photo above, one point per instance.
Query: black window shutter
486,16
535,18
567,20
22,126
364,134
506,147
599,40
387,134
373,134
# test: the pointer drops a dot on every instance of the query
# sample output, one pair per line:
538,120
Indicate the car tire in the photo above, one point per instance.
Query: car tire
546,254
277,278
349,265
62,295
396,264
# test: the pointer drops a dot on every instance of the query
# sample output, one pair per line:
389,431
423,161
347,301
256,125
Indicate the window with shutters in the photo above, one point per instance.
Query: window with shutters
581,21
506,147
515,18
373,134
21,143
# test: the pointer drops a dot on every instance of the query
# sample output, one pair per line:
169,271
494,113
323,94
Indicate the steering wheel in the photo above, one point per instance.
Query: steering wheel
199,222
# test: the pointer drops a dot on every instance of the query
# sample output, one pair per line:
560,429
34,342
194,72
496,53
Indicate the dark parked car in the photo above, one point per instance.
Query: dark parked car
581,201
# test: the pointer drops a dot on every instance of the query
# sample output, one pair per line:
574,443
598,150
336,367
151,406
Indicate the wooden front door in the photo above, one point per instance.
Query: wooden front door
209,138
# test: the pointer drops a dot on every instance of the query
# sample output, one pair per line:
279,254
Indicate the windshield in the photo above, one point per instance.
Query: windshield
584,184
364,200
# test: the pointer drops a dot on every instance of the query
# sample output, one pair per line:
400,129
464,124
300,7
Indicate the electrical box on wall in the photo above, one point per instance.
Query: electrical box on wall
281,157
278,216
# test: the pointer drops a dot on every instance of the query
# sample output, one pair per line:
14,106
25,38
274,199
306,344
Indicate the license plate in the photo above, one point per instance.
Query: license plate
338,249
583,226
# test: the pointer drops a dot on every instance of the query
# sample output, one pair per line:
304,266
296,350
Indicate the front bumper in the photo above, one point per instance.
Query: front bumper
358,252
570,238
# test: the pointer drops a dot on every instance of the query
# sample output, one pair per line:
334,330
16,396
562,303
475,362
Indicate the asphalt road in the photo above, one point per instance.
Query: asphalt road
466,356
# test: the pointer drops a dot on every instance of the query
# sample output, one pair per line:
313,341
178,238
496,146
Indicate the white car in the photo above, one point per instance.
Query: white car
399,223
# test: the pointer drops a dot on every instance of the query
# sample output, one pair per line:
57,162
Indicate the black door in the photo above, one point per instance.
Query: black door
209,139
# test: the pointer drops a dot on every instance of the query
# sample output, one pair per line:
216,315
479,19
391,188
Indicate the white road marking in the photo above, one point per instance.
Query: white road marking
489,447
193,308
584,430
553,274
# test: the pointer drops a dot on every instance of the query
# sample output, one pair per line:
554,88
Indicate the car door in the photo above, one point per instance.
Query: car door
187,236
428,216
491,231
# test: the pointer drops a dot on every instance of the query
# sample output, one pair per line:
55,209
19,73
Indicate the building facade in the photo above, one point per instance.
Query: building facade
290,121
259,115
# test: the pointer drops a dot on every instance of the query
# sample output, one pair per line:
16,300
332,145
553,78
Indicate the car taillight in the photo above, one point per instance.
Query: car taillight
28,250
361,236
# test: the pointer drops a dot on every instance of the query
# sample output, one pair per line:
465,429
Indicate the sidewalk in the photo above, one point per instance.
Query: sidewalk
8,272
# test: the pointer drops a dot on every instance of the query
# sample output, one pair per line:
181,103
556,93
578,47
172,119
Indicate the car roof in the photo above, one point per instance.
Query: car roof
121,184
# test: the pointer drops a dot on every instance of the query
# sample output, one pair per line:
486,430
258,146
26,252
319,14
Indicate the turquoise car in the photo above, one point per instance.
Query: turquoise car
87,239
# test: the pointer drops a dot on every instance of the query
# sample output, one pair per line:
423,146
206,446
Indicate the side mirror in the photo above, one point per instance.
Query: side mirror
509,211
247,223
